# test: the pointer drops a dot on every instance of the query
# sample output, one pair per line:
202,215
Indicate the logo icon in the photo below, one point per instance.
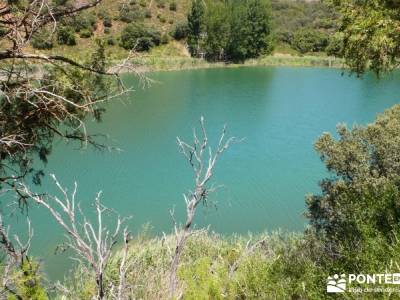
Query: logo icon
336,284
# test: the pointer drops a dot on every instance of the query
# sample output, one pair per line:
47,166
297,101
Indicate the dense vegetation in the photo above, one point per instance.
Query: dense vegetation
305,26
353,222
294,27
230,30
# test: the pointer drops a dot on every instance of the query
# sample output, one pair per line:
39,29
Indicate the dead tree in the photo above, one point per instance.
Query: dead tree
91,242
202,160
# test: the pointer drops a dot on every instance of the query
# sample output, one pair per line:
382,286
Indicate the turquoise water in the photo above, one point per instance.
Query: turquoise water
279,111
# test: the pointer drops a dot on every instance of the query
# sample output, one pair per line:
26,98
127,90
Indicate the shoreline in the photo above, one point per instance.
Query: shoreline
179,63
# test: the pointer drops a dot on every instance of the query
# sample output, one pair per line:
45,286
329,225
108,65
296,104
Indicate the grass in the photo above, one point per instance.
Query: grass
215,267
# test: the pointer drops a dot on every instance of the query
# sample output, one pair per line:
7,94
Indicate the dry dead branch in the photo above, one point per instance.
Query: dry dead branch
202,160
91,242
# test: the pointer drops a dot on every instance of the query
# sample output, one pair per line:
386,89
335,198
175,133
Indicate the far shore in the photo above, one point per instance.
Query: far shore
175,63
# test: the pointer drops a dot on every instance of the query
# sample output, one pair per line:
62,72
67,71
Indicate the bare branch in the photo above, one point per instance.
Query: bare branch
203,167
91,242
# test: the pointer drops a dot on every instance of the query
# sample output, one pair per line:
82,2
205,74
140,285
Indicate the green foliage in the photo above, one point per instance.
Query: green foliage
160,3
180,31
218,31
66,36
251,30
85,33
370,34
107,21
230,29
110,41
84,21
173,6
140,37
359,205
129,15
147,14
164,39
309,41
27,282
195,25
311,16
42,40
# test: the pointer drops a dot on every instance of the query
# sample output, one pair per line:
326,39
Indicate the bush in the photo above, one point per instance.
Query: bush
42,40
162,19
139,36
110,41
84,21
359,201
164,39
85,33
129,16
66,36
143,3
107,22
3,31
308,40
107,30
160,3
147,14
180,31
172,6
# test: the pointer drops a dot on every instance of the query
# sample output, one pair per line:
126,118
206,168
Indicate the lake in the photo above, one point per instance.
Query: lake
279,111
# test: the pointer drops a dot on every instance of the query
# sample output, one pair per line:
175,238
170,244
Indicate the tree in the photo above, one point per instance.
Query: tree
371,38
217,27
45,96
139,37
195,25
359,206
250,30
308,40
66,36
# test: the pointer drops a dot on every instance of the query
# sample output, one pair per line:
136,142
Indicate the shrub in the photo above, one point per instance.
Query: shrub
85,21
129,16
66,36
139,36
160,3
42,40
180,31
173,6
85,33
143,3
110,41
162,19
3,31
107,30
164,39
147,14
308,40
107,22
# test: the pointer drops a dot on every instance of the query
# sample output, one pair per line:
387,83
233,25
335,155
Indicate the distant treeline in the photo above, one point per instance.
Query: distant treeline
218,30
237,30
229,30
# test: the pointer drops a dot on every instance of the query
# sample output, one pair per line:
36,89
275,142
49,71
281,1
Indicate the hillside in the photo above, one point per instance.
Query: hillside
298,28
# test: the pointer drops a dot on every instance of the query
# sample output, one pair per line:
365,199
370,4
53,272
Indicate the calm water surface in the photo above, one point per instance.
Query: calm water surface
279,111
